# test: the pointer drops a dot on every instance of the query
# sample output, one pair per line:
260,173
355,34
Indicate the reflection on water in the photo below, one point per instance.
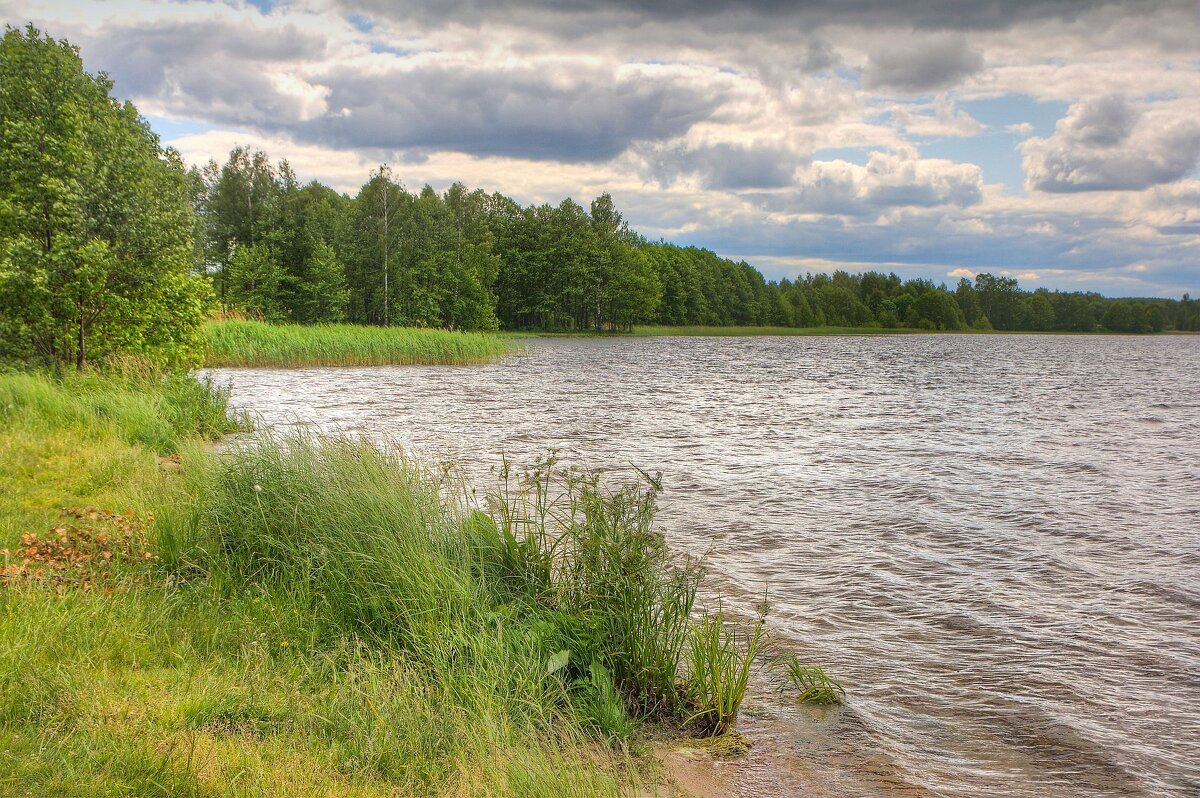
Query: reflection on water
994,541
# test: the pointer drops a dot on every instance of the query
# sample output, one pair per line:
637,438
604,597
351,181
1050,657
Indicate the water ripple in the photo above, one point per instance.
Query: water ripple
994,541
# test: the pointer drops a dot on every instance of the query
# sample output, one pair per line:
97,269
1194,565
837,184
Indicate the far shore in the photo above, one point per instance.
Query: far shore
733,331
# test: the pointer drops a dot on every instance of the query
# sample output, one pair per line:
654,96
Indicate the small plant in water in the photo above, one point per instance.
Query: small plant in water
719,657
812,684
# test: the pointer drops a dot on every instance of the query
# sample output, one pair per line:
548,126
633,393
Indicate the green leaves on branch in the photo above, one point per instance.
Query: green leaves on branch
95,225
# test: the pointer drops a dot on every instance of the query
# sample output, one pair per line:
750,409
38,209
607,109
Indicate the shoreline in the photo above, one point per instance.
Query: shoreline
156,452
800,332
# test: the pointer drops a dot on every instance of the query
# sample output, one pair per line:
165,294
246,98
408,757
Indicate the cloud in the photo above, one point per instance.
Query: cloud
727,166
961,272
904,179
1107,144
517,112
887,181
279,79
1104,122
946,120
922,64
1020,128
581,15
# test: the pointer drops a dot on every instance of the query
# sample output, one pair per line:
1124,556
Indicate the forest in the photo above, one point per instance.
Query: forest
464,259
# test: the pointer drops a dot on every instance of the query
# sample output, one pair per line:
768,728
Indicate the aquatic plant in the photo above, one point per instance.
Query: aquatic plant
811,683
590,553
254,343
720,656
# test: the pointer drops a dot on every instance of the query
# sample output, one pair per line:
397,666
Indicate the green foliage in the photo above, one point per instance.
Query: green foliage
467,260
562,541
720,656
565,601
251,343
811,683
95,222
1039,312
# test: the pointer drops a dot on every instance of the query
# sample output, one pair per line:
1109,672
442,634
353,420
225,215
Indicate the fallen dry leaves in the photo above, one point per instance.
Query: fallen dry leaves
88,547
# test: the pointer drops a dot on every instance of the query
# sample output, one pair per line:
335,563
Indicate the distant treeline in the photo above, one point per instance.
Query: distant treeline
471,260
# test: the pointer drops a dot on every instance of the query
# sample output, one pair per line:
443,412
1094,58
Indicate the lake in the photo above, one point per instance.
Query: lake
992,541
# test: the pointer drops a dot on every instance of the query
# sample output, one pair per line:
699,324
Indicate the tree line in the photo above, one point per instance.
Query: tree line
109,243
465,259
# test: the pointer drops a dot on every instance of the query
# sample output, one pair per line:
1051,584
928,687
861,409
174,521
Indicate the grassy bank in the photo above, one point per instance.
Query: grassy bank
252,343
322,617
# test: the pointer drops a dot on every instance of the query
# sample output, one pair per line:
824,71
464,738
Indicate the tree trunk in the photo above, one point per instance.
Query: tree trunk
81,348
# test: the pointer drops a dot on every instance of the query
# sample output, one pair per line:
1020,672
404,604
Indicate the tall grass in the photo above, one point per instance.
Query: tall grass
720,656
129,400
590,555
254,343
563,601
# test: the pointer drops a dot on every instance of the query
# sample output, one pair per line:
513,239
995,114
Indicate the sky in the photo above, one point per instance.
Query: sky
1056,141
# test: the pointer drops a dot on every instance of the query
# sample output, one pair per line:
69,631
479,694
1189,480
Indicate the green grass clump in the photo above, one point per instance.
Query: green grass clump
129,401
720,656
255,343
811,683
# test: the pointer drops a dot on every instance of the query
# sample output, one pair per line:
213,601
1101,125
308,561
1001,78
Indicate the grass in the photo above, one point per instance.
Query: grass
810,682
320,616
238,343
720,655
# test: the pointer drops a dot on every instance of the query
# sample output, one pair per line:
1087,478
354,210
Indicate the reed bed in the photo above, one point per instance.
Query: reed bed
237,343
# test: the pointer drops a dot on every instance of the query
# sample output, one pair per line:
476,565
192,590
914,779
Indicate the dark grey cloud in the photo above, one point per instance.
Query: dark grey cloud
922,64
145,56
1104,122
216,72
519,113
579,16
818,55
727,167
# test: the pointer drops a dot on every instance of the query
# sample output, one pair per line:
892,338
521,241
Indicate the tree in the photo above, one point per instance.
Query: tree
96,221
1039,312
369,255
1000,300
253,277
940,309
325,285
968,301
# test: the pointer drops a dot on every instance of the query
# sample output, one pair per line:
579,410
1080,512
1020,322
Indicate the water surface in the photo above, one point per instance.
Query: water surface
993,541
